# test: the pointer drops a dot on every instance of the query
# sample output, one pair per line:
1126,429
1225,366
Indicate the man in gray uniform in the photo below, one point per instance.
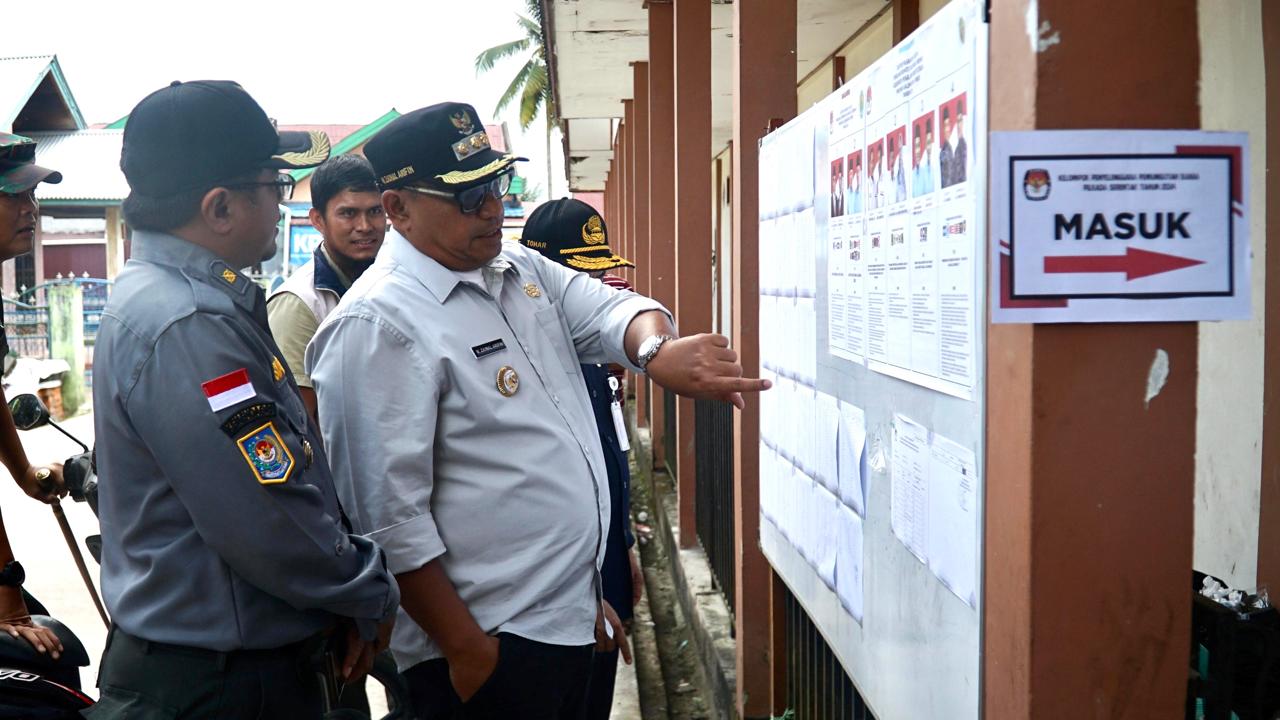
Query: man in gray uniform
226,555
481,472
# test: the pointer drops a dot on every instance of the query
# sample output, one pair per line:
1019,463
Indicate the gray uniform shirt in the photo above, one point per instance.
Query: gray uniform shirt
433,461
221,528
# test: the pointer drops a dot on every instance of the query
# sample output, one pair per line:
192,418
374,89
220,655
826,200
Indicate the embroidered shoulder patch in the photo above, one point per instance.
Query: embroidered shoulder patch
254,416
267,455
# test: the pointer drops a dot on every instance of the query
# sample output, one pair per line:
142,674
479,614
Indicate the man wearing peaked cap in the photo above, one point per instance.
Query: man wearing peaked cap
494,505
226,556
19,216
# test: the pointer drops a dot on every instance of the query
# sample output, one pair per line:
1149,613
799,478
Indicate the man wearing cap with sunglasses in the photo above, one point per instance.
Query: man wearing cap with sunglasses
460,431
19,215
226,556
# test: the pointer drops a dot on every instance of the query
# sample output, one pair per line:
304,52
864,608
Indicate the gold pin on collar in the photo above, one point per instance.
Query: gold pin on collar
532,290
508,381
277,369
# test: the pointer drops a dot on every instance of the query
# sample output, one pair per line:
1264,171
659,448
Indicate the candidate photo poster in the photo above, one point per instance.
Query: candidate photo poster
906,220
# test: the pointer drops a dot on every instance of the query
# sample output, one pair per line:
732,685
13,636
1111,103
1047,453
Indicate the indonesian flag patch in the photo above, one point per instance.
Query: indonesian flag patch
227,390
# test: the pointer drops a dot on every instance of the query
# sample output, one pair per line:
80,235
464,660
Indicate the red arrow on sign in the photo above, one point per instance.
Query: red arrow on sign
1134,263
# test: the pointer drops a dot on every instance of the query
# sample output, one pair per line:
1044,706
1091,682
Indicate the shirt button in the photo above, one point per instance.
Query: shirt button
340,546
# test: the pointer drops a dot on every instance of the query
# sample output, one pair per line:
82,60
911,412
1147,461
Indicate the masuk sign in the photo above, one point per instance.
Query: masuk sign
1118,226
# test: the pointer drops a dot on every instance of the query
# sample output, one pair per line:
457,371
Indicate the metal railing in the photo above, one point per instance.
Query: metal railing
713,496
27,327
27,318
817,686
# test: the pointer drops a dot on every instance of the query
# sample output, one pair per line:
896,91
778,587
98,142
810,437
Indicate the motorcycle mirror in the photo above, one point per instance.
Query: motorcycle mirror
28,412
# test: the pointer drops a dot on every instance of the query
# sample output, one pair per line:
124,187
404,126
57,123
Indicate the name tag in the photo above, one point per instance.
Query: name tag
489,348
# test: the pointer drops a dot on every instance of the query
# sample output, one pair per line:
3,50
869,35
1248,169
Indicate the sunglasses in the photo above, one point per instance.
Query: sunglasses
471,199
283,184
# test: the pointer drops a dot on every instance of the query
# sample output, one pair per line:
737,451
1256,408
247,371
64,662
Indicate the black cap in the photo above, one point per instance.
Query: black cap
189,136
572,233
443,146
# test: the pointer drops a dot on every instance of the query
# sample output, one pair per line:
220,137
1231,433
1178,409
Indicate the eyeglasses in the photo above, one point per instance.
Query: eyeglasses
283,184
471,199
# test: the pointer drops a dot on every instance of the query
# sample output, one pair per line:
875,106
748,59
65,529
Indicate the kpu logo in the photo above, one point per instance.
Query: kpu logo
1036,184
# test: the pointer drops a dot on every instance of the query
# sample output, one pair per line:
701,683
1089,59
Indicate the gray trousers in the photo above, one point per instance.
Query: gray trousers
143,680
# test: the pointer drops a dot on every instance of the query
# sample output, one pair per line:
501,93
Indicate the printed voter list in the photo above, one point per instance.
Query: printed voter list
1119,226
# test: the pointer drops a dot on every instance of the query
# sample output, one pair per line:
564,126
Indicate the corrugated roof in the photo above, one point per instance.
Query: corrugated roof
19,78
89,161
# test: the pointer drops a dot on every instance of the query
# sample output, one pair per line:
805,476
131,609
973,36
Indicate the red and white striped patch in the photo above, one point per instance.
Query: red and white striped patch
229,389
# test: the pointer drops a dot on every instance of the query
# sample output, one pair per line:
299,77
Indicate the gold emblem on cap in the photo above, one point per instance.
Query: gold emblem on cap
229,275
532,290
508,381
462,121
593,231
277,369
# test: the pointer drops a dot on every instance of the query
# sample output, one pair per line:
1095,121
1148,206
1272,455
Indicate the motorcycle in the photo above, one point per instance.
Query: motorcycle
34,687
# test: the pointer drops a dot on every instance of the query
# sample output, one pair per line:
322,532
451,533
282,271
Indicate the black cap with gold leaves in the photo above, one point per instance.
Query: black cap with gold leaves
442,146
187,136
572,233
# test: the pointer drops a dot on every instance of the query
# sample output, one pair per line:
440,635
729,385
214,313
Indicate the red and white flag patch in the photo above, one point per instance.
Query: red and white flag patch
229,389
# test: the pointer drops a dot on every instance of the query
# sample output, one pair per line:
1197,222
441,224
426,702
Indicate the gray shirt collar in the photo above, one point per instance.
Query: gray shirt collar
197,262
436,278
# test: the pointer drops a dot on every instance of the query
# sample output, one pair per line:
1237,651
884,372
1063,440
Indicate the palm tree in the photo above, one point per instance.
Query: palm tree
531,83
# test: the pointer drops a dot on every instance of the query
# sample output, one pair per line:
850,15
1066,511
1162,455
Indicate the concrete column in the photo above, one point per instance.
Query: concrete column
1090,492
906,18
1269,512
693,201
640,157
764,89
115,243
624,185
662,197
66,335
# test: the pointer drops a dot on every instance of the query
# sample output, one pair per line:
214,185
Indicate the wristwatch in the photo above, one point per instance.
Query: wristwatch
649,349
13,575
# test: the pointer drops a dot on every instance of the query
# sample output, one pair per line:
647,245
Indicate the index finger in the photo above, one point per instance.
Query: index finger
743,385
620,635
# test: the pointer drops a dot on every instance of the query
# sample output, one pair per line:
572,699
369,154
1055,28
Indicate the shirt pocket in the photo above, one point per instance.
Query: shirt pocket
558,337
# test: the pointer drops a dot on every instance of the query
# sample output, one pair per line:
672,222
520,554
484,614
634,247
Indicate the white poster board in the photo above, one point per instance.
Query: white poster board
871,303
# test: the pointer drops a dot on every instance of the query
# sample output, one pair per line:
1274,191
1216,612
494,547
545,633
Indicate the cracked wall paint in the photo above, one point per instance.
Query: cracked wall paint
1157,376
1048,37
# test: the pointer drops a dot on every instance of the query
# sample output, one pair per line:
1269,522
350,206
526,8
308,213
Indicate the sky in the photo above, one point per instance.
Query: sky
316,62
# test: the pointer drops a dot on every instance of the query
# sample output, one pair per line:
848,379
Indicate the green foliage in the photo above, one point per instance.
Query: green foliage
530,86
532,192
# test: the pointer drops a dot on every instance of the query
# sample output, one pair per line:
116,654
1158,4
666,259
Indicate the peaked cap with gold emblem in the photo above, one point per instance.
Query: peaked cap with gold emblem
572,233
442,146
194,135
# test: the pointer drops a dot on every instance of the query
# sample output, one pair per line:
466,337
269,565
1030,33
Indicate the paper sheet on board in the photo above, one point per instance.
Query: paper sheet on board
953,517
909,511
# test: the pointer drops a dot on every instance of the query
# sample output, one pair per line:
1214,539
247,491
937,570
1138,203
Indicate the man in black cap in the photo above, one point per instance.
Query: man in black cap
19,214
558,230
482,475
226,556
